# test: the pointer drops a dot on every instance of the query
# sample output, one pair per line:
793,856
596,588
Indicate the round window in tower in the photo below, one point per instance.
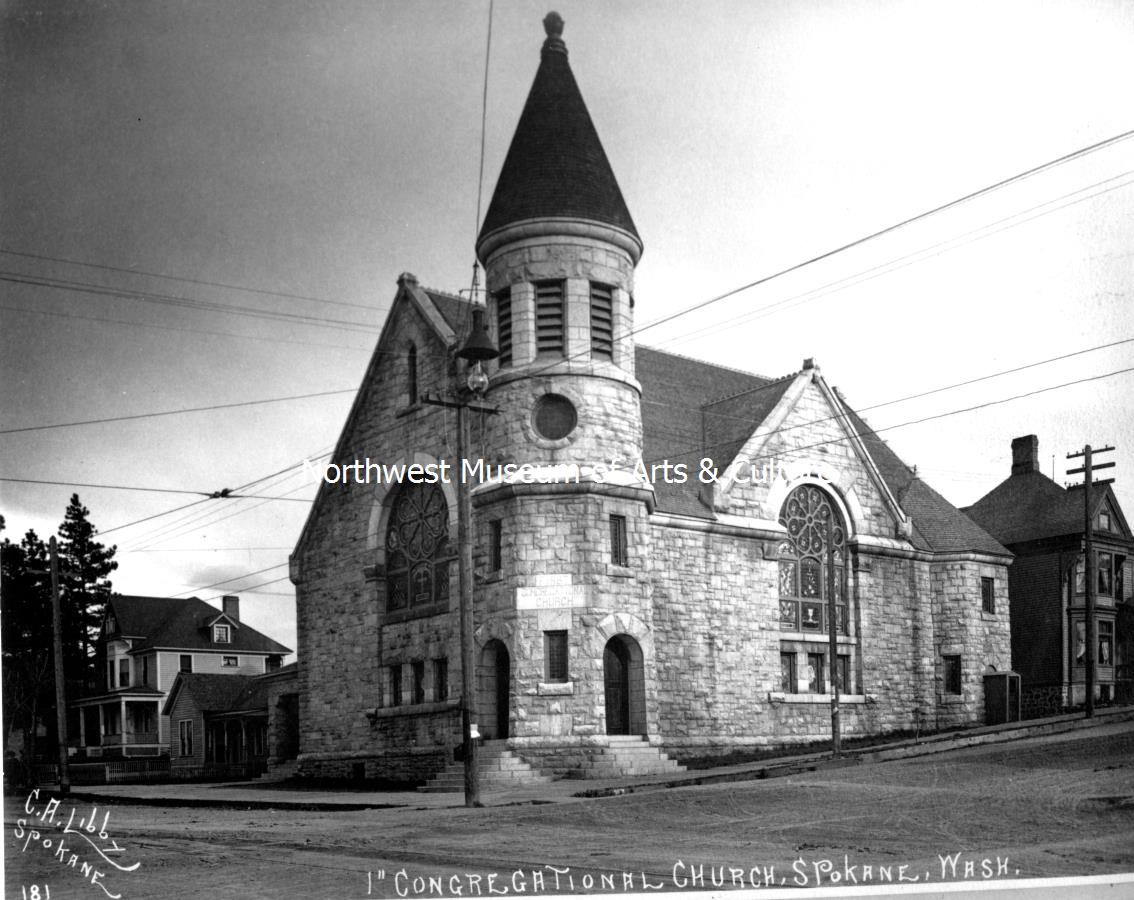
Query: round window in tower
554,417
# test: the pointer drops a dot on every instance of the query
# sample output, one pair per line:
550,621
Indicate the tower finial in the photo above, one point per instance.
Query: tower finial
553,26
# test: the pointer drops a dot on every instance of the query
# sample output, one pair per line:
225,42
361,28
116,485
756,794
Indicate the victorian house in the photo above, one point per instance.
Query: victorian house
1044,525
146,642
667,551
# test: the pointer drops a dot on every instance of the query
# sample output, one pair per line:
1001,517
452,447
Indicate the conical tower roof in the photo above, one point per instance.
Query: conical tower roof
556,167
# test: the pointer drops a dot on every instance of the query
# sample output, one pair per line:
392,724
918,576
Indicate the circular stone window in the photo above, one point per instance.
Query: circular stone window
554,417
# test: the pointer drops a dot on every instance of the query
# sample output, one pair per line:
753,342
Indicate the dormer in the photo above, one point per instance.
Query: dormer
220,628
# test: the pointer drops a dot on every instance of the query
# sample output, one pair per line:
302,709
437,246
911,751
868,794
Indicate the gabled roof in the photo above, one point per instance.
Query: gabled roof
556,167
214,693
1029,506
176,623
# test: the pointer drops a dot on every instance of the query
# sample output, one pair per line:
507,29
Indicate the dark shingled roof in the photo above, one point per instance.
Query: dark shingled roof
693,409
1030,506
177,622
213,693
556,166
679,427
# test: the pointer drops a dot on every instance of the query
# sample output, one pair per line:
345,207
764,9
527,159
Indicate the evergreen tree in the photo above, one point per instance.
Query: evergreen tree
25,618
85,565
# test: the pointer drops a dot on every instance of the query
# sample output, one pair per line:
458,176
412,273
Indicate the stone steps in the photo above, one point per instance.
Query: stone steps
498,767
630,755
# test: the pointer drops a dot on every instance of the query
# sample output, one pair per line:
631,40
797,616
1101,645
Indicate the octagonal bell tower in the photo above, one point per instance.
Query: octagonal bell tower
559,248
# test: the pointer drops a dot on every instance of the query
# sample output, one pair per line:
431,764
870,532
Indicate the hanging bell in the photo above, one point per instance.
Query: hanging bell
478,345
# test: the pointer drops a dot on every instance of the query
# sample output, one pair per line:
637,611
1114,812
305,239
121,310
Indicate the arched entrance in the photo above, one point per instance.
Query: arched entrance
494,677
624,683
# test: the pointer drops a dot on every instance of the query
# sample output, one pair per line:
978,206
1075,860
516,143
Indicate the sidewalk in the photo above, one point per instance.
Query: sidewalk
284,795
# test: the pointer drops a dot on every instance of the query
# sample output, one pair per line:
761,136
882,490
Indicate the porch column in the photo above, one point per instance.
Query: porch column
101,725
243,743
122,722
82,726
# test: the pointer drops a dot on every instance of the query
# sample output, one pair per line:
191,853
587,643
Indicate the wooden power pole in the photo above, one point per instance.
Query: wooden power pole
60,686
1087,470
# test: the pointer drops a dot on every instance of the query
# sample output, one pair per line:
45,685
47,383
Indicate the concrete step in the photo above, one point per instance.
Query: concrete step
498,768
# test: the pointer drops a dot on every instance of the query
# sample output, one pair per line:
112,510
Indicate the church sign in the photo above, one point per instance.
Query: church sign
550,592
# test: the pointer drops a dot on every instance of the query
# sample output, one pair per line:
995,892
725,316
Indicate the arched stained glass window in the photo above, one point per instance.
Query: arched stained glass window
417,549
816,543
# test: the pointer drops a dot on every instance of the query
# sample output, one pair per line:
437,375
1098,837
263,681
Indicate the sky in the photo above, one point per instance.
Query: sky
281,163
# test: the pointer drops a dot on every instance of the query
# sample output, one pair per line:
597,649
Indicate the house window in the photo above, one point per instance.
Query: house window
124,673
788,677
504,327
222,634
952,666
186,664
396,685
145,670
602,321
229,662
185,737
411,374
1106,643
555,654
816,543
1105,574
418,682
495,545
816,682
988,595
619,554
846,685
417,550
271,663
110,675
1104,522
549,317
441,679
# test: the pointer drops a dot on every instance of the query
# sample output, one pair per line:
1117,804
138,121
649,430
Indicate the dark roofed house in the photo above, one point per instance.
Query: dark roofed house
641,610
146,642
1044,525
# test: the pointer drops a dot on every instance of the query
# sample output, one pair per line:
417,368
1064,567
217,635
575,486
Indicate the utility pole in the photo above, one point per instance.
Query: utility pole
60,687
1087,470
833,638
477,348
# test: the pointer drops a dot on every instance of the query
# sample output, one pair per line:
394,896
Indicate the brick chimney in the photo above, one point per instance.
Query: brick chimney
1025,455
230,606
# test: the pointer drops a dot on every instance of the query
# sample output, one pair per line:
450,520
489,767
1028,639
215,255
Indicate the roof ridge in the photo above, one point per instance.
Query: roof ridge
771,382
444,293
705,362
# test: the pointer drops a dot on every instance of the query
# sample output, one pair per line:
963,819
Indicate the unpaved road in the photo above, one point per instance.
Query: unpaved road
1061,805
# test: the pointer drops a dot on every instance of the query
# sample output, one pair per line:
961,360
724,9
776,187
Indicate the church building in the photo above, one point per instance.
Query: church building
665,550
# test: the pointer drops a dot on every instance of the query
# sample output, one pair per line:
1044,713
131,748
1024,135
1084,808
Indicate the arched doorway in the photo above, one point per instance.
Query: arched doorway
494,677
624,683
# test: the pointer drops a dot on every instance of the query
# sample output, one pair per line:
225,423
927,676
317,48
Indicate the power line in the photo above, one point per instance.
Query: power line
908,259
212,495
228,580
177,412
245,337
1068,157
200,281
86,287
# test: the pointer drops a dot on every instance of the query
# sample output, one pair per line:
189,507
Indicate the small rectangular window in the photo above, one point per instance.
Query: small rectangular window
418,669
555,653
788,677
549,315
1105,575
221,634
441,679
952,674
395,685
504,327
602,321
230,662
816,682
846,685
185,737
110,679
124,673
145,670
186,664
1106,643
495,545
988,595
619,553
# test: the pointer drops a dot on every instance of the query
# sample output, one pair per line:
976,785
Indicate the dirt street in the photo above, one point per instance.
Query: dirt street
1061,805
